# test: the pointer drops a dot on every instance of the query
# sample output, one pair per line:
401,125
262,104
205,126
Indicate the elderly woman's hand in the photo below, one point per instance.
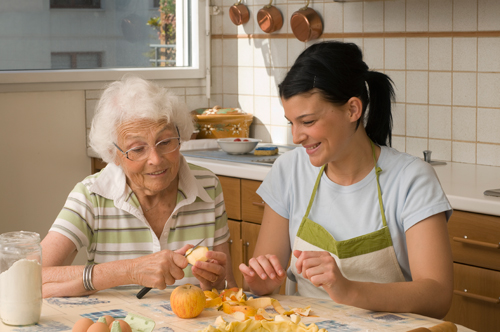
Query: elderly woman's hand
211,273
160,269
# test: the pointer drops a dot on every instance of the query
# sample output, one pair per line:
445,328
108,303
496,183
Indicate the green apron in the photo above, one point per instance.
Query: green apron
370,257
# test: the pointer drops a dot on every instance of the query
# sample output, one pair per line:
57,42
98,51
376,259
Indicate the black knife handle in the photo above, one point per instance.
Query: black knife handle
143,292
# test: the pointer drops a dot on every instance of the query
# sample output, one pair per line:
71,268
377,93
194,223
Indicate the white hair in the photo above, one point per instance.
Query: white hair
133,98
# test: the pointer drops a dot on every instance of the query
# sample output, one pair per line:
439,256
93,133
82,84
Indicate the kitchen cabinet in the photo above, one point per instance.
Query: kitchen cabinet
244,210
475,246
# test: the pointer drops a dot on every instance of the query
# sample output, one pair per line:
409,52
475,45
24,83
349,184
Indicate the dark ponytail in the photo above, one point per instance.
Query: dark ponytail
338,71
378,119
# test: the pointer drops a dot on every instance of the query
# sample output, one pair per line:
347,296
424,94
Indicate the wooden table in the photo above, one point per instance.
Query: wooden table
59,314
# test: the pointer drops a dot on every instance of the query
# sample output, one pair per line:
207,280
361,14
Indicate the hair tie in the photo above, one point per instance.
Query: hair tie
367,90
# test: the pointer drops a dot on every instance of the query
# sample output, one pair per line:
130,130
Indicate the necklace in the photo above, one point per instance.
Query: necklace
151,208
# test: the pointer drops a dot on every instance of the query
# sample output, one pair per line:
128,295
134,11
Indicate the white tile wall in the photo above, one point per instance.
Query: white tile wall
373,16
464,124
440,122
440,53
464,89
464,54
440,15
417,120
463,152
353,17
417,50
440,88
464,15
417,86
417,15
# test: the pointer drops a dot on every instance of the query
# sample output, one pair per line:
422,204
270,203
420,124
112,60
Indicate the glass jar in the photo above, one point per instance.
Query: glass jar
20,278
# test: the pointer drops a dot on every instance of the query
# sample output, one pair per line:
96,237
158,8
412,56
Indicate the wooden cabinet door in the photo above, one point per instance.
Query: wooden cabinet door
249,235
476,302
252,206
236,249
231,188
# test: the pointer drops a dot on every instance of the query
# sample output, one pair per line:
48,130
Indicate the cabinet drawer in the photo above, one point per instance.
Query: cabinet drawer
475,239
476,303
232,196
252,206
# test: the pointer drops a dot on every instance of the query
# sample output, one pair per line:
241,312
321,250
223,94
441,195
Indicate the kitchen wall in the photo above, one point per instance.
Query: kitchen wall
443,56
43,156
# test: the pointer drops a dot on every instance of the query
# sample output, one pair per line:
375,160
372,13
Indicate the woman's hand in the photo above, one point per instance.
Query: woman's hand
212,273
320,268
263,272
159,269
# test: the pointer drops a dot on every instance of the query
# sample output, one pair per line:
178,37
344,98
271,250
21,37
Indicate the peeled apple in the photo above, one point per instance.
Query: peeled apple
198,254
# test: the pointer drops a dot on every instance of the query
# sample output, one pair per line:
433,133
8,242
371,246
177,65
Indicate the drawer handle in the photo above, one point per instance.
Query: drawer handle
477,243
477,297
258,204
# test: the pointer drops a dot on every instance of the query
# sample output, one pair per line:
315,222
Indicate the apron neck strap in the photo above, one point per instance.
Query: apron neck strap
315,189
378,170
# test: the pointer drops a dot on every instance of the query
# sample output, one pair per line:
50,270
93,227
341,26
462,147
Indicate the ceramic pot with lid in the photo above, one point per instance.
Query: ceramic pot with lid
238,13
306,24
270,18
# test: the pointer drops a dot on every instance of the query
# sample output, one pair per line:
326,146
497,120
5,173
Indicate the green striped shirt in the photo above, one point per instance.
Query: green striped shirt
103,215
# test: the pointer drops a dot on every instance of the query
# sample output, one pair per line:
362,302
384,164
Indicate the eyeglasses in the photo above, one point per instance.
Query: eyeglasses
140,153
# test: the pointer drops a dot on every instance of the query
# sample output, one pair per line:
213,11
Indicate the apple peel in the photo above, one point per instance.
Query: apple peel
217,302
246,310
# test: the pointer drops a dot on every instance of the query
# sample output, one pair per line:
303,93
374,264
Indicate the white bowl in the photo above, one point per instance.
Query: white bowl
234,145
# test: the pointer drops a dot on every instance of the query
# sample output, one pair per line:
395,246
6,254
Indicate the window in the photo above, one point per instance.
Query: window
75,3
95,40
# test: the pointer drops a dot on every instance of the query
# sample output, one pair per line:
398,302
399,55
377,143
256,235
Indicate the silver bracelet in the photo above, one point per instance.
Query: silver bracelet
87,277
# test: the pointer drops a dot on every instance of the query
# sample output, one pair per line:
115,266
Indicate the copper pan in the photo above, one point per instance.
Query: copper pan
238,13
306,24
270,18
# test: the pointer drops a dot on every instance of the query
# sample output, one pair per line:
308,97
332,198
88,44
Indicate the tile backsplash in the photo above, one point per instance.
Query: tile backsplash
443,56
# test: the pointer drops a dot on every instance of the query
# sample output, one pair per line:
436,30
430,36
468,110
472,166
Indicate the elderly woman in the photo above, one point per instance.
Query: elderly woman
145,209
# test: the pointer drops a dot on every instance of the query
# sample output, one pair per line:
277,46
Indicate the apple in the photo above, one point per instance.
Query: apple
187,301
199,254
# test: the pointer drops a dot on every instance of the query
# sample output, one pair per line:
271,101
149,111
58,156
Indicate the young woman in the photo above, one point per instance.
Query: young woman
366,224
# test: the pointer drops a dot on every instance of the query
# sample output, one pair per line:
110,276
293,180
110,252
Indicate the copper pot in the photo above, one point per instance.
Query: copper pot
306,24
238,13
270,18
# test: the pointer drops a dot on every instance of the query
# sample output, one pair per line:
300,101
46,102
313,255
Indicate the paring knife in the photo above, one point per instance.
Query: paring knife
145,290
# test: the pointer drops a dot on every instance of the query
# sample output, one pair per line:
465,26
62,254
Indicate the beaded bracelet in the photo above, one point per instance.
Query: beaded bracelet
87,277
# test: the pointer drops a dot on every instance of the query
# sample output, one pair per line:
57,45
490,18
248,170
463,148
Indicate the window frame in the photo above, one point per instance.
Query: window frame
89,77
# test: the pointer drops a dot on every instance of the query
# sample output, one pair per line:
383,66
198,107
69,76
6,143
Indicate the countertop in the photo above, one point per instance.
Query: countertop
464,184
60,313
